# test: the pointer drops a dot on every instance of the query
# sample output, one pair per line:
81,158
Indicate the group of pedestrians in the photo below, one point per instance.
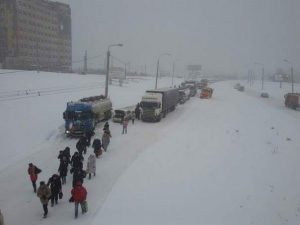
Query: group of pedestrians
135,114
52,190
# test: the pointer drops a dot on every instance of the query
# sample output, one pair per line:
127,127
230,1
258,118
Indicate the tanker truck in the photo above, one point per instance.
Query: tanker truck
83,115
157,103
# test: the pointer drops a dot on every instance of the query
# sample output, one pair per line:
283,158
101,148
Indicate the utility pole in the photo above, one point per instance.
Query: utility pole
125,71
107,67
173,73
85,63
107,73
292,76
156,73
262,78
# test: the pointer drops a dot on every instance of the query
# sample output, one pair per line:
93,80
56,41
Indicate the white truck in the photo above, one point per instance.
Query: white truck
157,103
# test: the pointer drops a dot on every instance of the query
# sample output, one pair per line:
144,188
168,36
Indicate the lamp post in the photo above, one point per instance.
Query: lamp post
173,71
107,67
157,67
262,74
292,73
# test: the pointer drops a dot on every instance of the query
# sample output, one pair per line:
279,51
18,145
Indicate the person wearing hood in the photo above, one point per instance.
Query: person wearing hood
106,139
55,186
78,175
91,165
97,147
79,195
44,193
33,172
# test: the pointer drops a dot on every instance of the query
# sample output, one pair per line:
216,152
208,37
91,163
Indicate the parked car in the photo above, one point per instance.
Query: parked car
241,88
120,114
264,95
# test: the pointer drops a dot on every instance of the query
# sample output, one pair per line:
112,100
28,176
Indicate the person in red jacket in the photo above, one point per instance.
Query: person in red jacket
33,172
79,194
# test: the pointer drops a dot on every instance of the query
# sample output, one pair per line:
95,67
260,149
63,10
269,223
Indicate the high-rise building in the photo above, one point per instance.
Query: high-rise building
35,35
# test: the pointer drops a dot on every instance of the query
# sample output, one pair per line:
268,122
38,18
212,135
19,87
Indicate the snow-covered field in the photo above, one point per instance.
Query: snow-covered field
233,159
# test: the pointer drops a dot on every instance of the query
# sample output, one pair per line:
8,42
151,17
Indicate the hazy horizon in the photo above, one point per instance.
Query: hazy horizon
225,37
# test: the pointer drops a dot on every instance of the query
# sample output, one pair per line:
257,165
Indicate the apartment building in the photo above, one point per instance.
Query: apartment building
35,35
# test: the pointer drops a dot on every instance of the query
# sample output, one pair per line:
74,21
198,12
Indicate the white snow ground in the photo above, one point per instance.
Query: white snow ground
221,161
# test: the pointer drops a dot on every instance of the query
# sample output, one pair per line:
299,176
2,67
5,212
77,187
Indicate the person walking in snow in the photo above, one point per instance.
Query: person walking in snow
97,147
125,125
106,126
88,135
132,117
76,161
55,186
44,193
79,195
91,165
63,170
137,111
106,139
33,172
81,145
1,218
78,175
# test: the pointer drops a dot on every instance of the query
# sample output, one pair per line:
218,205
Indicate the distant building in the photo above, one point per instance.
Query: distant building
35,35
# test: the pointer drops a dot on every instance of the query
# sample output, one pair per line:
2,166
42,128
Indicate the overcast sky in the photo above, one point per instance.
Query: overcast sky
224,36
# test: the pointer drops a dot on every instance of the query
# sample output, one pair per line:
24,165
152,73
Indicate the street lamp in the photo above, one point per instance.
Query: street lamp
157,66
107,67
292,73
262,74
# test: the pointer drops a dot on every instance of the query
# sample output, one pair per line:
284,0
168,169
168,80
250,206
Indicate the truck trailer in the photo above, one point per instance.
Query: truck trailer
157,103
83,115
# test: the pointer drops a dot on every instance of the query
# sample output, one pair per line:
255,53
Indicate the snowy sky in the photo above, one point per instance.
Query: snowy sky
224,36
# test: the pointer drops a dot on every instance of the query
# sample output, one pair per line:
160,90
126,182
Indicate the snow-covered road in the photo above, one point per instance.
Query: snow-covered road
233,159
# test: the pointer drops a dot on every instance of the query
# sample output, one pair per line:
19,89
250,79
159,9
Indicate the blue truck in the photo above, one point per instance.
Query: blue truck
83,115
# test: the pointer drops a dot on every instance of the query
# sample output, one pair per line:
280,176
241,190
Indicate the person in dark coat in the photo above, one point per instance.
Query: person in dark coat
55,186
77,160
78,175
89,134
33,172
44,193
63,171
106,126
97,147
79,194
66,153
81,145
60,155
137,111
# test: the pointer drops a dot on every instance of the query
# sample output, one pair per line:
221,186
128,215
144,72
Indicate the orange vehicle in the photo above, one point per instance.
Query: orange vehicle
206,92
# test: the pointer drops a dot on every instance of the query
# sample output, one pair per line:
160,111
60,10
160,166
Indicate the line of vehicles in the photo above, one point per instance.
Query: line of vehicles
291,100
83,115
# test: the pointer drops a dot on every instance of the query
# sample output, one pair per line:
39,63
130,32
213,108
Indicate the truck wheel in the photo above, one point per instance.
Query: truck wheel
158,118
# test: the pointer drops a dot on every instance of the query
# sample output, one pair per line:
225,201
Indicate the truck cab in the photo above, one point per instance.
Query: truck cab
151,105
78,118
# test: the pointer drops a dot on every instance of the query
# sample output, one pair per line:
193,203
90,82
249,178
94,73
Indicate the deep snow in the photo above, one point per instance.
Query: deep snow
226,160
